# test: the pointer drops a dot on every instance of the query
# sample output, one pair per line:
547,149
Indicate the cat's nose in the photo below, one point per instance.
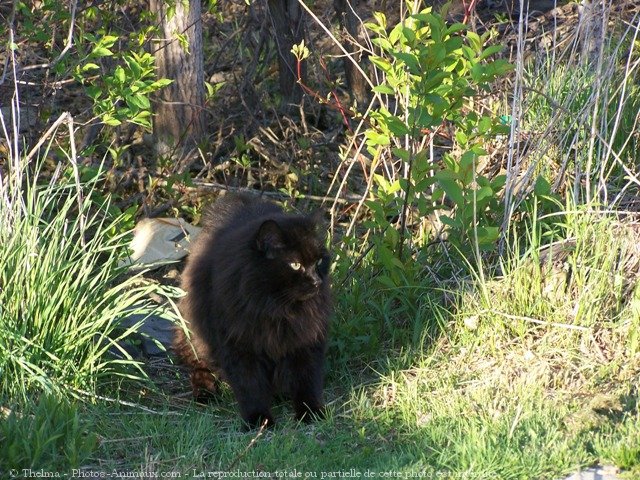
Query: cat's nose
316,280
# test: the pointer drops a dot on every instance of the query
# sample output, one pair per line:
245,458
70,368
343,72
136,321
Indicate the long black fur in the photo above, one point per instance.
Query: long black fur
256,321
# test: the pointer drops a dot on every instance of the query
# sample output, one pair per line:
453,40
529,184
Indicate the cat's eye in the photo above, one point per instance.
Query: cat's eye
295,265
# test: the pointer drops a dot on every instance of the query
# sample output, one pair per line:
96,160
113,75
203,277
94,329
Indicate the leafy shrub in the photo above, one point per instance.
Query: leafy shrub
113,65
432,73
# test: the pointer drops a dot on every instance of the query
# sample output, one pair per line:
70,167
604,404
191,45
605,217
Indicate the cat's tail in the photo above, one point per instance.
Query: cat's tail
204,382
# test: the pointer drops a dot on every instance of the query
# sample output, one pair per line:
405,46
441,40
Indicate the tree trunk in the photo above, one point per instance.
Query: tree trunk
590,30
288,23
349,21
179,120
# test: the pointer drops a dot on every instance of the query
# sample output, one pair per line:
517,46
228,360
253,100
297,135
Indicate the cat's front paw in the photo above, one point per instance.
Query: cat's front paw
258,420
307,414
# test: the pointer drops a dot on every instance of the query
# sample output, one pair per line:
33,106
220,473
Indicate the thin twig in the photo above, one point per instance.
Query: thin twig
253,441
76,174
123,402
65,116
69,43
339,45
537,321
201,185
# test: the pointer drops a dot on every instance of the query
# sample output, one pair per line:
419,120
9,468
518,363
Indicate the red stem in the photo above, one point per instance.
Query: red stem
468,9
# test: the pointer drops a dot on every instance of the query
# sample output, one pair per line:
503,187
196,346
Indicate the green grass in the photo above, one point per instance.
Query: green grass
500,387
493,395
61,292
50,434
531,374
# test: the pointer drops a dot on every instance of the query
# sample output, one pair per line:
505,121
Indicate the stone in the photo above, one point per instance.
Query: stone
155,333
606,472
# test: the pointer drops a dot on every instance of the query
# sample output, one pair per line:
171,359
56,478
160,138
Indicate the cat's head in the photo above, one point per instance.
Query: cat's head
293,254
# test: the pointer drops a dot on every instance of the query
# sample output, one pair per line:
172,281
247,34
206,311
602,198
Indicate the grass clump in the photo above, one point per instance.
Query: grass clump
61,291
49,434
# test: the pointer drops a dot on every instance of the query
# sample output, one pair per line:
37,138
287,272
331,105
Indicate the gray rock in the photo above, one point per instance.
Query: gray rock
606,472
155,333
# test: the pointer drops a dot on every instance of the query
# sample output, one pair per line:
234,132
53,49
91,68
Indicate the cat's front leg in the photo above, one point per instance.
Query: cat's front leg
304,380
250,381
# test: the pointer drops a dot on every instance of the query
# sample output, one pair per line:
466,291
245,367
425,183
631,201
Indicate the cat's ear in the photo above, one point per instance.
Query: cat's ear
317,216
269,238
318,222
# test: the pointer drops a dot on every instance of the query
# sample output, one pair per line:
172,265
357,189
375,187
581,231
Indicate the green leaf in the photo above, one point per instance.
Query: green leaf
410,60
483,193
375,138
499,182
158,84
484,125
385,89
423,183
382,63
396,126
142,118
388,259
542,187
108,119
455,28
395,34
401,153
436,55
381,19
450,222
423,16
488,234
436,25
479,73
134,66
409,34
108,40
478,150
99,51
490,51
120,75
461,138
386,281
474,40
438,104
467,159
452,189
383,43
90,66
468,53
138,101
501,67
433,80
420,118
377,209
453,44
94,92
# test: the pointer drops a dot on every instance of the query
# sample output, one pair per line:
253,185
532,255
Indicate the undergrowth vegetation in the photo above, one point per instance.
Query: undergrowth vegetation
61,300
484,224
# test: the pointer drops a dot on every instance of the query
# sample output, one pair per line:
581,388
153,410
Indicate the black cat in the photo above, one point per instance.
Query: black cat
257,306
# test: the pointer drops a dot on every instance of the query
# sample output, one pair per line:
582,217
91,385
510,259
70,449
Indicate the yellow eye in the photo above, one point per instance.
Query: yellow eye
295,265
